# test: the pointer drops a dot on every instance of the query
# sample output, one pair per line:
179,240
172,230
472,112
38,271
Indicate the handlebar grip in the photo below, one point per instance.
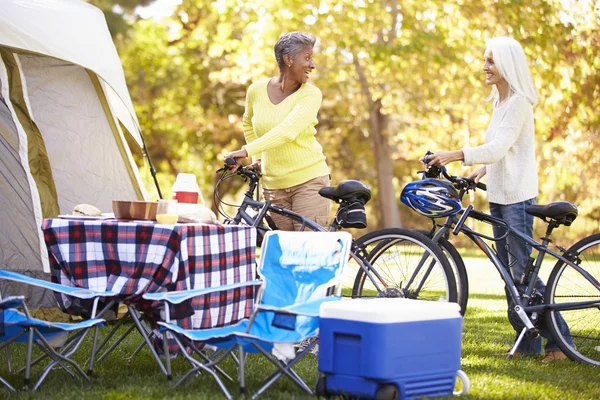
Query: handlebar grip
230,162
481,186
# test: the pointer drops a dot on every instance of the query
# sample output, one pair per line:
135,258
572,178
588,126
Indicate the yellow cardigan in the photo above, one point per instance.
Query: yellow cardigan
282,135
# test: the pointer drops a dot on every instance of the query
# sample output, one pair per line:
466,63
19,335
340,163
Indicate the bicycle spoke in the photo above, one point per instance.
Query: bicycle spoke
581,339
408,266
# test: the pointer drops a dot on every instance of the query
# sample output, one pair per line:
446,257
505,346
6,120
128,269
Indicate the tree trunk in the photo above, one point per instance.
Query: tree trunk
386,196
388,201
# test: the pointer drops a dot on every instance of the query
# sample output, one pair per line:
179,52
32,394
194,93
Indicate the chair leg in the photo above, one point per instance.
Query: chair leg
6,344
112,347
9,367
91,359
167,356
199,367
64,356
213,359
54,359
241,374
109,336
28,360
235,359
8,385
68,343
137,350
150,333
283,368
136,320
210,368
8,363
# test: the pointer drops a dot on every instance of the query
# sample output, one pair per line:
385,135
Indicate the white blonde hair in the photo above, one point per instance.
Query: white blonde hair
511,62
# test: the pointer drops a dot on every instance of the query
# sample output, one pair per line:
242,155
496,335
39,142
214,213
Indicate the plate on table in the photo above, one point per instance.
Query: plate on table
88,217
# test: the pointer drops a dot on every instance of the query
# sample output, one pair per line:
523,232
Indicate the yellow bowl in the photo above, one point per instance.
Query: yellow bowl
125,209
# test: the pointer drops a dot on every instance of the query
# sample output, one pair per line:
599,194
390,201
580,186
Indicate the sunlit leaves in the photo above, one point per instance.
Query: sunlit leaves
422,60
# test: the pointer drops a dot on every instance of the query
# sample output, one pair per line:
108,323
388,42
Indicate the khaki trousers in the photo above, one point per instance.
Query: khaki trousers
303,199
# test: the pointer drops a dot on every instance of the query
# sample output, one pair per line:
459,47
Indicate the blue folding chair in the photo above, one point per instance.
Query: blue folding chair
297,269
16,322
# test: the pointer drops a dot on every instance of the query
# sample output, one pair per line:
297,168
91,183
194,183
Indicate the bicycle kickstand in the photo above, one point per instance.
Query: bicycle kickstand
526,329
513,350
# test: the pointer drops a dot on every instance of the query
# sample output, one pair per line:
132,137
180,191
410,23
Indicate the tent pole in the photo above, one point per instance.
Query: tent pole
152,170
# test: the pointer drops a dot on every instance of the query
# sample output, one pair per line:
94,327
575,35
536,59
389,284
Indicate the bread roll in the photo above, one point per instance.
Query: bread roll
87,210
196,213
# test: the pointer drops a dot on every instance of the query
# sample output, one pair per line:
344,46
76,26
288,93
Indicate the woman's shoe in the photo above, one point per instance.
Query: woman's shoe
553,355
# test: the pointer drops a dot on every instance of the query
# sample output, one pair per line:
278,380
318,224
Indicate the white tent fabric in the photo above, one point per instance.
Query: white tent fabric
73,31
62,95
20,207
70,117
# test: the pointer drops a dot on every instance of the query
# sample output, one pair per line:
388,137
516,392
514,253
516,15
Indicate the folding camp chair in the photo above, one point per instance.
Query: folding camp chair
297,270
7,304
15,324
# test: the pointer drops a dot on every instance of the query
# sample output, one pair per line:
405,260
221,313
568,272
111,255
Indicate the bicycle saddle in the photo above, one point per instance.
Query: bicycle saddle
349,190
562,212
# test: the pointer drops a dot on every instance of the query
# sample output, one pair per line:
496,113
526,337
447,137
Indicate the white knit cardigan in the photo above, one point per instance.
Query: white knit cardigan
508,153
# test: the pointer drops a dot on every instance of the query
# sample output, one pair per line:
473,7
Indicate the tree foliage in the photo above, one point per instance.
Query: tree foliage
398,79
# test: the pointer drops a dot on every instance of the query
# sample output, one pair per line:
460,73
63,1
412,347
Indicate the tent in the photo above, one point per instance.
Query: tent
65,112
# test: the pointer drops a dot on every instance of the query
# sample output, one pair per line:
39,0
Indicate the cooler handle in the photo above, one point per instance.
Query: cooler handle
466,383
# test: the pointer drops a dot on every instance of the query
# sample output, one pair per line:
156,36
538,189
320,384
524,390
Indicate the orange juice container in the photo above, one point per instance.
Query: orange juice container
186,190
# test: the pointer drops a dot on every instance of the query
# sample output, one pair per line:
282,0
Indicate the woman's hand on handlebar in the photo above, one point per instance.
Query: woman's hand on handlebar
256,165
477,174
238,156
443,158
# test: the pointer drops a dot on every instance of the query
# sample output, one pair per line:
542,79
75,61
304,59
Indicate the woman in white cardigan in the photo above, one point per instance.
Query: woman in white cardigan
508,158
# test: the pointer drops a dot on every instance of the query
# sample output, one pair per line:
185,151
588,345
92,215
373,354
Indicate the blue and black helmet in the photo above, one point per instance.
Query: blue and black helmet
433,198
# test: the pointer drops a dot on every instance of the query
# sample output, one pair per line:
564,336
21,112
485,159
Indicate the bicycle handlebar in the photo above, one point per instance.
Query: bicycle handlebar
246,171
230,162
435,171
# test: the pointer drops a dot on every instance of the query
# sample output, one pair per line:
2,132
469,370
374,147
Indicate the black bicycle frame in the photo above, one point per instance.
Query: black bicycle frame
264,207
504,270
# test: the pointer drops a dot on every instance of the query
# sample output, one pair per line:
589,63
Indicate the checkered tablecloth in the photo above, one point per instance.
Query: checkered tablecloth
133,258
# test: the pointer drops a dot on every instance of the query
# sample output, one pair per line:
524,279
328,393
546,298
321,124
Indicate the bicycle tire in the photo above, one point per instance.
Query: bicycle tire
458,267
566,284
402,245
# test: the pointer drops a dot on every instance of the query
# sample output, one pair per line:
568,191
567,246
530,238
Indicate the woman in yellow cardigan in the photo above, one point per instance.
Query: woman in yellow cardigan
279,127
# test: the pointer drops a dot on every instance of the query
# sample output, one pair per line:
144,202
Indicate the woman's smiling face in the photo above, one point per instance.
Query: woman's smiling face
492,75
302,64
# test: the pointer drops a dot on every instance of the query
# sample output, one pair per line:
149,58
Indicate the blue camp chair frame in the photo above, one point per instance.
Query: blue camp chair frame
297,270
38,331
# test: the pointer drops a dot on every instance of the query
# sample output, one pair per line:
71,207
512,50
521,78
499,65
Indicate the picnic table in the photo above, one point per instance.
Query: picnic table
136,257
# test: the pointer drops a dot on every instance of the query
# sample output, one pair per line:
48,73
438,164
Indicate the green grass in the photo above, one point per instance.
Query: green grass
486,337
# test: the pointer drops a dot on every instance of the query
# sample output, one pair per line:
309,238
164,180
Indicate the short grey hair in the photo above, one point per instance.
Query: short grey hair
292,43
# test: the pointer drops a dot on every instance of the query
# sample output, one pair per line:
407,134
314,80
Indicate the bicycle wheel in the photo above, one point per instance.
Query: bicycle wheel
409,264
567,285
459,269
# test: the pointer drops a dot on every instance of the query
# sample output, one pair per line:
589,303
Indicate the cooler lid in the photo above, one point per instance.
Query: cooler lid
387,310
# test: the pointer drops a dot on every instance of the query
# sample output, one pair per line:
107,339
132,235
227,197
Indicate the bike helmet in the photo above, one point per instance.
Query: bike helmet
432,198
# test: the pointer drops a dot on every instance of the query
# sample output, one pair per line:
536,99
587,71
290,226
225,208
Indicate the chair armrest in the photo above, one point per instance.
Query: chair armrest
80,293
11,302
180,296
310,308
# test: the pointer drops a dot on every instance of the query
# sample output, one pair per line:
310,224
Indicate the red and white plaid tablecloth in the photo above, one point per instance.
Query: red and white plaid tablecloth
133,258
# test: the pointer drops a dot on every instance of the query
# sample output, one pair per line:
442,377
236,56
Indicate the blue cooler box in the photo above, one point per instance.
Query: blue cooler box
368,344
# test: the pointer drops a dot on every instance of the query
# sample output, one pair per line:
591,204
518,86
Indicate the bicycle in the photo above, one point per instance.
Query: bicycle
434,283
573,289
